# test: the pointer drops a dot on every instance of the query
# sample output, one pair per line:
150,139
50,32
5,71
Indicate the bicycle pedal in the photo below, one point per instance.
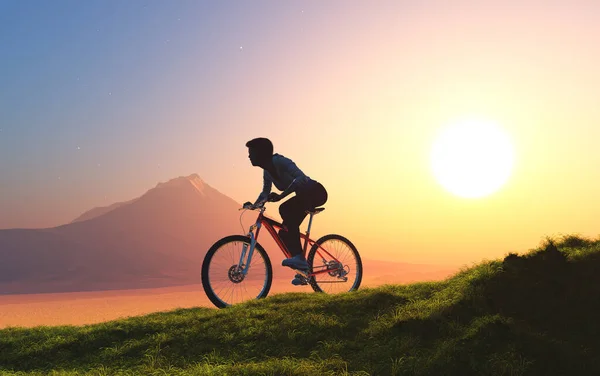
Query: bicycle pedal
299,280
302,272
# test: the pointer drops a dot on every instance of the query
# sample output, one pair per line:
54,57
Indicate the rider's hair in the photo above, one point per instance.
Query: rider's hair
262,145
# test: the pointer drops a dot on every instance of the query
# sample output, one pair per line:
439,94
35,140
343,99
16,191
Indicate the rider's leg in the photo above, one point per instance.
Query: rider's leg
293,214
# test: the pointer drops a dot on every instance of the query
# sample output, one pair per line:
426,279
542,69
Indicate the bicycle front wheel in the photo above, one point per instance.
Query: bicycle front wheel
335,264
223,279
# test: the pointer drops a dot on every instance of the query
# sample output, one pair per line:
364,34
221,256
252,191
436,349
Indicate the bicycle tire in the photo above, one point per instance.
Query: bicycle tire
206,264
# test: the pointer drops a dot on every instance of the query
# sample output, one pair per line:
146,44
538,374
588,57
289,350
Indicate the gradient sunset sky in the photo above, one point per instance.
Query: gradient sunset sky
101,100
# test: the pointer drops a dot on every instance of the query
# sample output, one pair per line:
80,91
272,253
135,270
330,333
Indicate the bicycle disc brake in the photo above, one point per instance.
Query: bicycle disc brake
235,274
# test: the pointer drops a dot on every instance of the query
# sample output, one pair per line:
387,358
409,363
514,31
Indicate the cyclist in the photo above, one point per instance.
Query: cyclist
288,178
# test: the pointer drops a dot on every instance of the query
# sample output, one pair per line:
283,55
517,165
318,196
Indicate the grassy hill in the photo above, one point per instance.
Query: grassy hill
536,314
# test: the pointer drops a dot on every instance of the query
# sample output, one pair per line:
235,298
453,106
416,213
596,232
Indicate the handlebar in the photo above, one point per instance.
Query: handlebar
260,205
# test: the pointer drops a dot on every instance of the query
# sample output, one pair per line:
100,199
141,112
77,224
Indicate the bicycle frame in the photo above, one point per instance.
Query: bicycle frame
272,226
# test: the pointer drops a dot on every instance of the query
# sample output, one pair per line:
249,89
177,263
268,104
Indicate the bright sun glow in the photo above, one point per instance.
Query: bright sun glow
472,158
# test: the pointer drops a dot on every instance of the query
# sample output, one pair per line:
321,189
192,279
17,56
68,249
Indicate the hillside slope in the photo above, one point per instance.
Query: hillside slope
525,315
98,211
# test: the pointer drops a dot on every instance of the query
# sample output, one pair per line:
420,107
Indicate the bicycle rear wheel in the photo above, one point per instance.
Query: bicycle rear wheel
222,277
336,264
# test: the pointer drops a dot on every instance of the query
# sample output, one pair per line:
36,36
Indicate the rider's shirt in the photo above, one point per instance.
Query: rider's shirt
287,171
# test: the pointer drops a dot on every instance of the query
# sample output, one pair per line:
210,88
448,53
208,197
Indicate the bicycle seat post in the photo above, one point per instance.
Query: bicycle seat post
312,214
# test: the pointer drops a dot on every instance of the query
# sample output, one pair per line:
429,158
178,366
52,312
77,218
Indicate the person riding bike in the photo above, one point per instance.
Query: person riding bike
288,178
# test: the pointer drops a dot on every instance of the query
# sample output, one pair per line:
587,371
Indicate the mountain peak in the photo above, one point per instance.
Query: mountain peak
192,181
193,178
182,181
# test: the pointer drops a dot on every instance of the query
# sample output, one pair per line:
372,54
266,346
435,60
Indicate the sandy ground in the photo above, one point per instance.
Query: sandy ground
81,308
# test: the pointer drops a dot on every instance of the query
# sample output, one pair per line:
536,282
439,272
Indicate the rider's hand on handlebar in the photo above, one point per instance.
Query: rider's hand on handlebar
251,206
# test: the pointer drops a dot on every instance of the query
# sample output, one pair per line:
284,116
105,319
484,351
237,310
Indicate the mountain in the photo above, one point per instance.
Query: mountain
157,239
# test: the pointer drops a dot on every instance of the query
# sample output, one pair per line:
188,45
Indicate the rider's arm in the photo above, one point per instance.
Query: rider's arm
267,184
291,188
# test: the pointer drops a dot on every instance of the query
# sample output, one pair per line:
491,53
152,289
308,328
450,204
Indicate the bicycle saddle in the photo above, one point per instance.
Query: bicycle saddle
315,210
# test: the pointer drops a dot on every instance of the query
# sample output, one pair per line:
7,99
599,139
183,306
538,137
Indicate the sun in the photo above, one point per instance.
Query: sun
472,158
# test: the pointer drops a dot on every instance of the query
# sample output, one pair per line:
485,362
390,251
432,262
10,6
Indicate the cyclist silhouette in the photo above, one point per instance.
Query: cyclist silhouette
288,178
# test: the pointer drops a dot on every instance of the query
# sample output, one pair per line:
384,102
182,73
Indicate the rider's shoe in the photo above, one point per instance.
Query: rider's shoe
296,262
299,280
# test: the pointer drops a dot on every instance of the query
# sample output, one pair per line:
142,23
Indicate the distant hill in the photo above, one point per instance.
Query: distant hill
534,314
157,239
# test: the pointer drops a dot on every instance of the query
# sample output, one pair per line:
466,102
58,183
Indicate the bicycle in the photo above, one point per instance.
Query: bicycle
226,281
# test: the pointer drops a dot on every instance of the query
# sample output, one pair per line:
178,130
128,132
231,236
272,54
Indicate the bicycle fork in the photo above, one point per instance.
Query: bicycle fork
244,263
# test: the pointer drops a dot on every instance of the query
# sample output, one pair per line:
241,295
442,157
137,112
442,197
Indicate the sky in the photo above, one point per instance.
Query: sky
101,100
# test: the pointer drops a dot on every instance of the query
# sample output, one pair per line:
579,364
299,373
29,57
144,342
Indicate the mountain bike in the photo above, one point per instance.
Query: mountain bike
237,268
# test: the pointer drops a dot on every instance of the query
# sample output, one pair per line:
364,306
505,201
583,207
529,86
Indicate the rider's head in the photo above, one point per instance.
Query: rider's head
260,150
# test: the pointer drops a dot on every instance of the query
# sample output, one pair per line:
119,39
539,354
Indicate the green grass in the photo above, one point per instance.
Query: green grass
535,314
